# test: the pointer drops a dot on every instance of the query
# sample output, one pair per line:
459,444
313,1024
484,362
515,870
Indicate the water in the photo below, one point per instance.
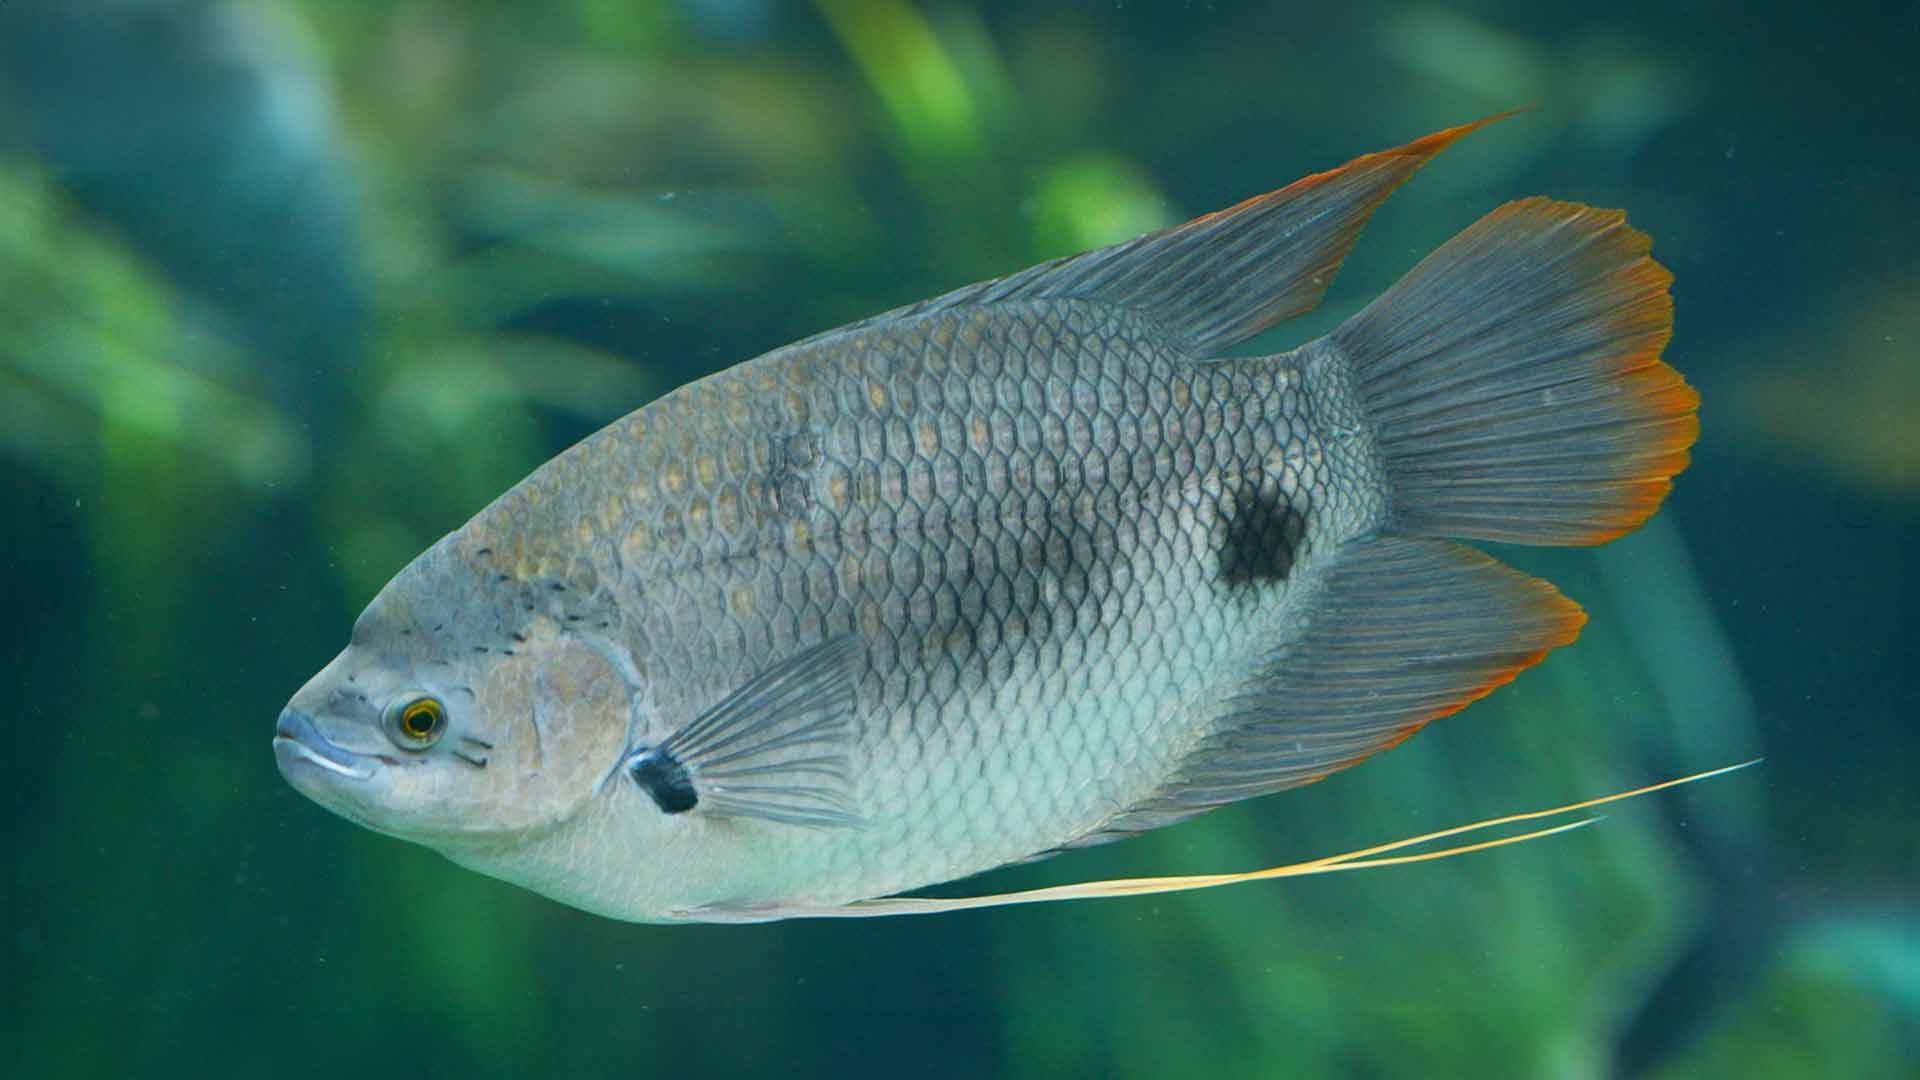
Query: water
289,289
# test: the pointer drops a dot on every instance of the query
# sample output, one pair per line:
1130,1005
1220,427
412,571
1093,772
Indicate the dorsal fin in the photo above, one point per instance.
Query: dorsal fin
1223,277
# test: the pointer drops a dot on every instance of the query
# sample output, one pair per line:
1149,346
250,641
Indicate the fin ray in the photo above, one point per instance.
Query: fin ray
1401,632
1223,277
774,749
1515,383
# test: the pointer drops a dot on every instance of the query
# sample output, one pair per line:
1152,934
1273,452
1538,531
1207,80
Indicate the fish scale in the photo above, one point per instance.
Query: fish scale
1019,568
1021,526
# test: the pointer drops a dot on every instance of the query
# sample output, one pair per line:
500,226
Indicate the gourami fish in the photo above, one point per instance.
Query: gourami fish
1025,567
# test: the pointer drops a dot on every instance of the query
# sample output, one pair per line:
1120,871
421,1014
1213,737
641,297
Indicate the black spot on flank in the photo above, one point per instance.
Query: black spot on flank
519,637
502,577
508,652
1260,536
479,648
665,780
557,587
484,552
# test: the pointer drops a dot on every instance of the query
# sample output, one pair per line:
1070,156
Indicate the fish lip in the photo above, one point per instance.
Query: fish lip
296,741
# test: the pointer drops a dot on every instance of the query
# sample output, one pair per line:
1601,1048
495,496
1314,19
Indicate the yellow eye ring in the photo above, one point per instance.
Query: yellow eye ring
418,723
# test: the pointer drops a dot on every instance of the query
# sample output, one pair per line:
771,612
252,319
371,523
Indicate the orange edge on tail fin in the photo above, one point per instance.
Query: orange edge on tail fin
1666,400
1663,394
1515,380
1674,406
1376,856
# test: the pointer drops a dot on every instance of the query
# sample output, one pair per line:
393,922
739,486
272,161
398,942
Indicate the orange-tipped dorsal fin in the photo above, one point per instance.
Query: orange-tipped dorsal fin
1223,277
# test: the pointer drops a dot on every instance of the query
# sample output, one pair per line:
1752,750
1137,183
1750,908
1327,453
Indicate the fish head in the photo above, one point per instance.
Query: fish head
459,716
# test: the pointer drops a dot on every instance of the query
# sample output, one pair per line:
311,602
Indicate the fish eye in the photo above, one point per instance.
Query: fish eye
416,723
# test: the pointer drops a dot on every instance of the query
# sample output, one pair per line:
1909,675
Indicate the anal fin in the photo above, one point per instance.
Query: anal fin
1402,632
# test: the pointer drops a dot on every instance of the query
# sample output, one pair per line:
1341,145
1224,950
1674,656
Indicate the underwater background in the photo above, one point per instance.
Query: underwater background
290,288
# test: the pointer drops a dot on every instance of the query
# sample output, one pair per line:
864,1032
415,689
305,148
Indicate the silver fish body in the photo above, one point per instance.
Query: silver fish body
1017,569
1039,529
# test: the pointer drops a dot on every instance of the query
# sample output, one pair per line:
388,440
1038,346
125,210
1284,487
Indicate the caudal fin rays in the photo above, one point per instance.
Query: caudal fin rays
1515,383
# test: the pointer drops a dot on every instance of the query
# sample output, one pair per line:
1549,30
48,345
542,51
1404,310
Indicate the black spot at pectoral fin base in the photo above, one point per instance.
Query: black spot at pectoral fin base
776,748
665,780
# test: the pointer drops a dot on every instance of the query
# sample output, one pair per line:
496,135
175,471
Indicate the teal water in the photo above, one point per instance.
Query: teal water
288,289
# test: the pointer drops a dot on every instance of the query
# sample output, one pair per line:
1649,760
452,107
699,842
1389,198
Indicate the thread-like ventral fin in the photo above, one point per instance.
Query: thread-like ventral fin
1515,384
1401,632
1392,853
1224,277
774,749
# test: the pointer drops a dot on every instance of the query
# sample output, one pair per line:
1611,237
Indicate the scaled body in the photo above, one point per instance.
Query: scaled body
1062,548
1020,568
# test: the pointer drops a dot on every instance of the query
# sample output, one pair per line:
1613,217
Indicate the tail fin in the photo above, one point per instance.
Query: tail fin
1515,381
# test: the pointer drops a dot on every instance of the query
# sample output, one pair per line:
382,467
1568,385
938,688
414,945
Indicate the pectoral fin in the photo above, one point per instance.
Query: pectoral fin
774,749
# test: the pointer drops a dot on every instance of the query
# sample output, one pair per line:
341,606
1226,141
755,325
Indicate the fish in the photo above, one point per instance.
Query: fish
1033,565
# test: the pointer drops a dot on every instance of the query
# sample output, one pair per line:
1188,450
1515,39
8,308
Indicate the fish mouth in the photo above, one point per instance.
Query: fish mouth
297,742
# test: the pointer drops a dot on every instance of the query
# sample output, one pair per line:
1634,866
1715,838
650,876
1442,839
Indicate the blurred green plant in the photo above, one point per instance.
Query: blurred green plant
910,68
93,341
1834,1003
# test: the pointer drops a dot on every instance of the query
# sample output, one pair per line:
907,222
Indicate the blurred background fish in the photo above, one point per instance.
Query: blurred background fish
265,266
